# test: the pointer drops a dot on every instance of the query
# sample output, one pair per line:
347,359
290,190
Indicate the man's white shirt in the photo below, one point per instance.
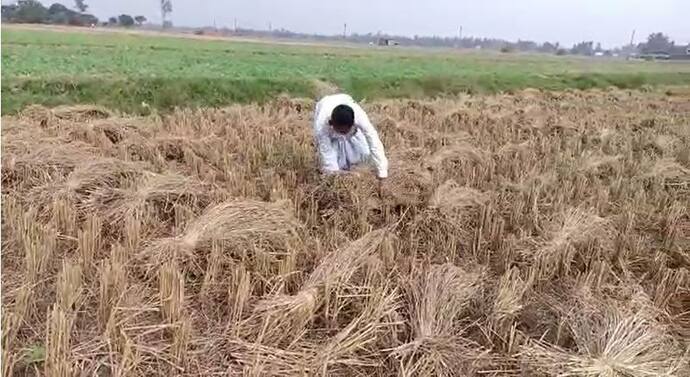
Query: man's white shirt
339,152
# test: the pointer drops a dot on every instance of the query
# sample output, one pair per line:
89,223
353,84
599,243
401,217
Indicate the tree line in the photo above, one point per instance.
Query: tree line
34,12
655,42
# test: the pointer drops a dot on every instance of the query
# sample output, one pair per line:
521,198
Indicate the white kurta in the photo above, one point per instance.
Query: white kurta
340,152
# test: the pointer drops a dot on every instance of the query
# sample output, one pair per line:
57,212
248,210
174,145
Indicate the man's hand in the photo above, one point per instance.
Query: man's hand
381,186
343,173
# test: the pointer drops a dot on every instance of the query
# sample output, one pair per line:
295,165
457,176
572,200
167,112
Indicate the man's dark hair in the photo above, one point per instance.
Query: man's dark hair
342,118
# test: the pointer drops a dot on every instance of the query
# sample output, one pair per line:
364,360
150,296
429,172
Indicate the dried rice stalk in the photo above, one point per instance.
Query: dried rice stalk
283,316
58,337
670,170
450,197
38,114
60,321
348,348
240,222
557,251
69,287
511,288
343,352
437,299
459,151
615,345
81,113
88,179
247,219
45,162
154,192
593,162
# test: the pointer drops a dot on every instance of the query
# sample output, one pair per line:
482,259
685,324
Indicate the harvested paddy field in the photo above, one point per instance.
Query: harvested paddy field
534,234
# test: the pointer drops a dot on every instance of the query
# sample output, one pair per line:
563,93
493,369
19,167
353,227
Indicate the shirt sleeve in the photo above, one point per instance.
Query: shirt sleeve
378,154
327,155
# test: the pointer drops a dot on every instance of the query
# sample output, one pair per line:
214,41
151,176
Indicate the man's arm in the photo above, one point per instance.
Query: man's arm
327,155
378,154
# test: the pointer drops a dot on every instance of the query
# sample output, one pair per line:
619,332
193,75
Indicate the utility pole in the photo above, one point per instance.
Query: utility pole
458,42
632,38
270,26
345,30
235,25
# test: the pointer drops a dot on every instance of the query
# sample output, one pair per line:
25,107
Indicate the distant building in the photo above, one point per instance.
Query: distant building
387,42
681,53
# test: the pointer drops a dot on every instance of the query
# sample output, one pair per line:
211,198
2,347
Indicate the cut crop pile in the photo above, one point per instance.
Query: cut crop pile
533,234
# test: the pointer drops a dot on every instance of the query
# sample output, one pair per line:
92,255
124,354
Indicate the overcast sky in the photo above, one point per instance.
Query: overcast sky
565,21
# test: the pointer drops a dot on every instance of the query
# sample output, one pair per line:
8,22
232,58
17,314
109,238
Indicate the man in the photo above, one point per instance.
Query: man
345,137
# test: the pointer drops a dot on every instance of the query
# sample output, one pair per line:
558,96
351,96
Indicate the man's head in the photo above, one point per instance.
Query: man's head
342,119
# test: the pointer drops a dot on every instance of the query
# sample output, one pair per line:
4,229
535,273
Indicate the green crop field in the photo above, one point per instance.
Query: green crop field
139,72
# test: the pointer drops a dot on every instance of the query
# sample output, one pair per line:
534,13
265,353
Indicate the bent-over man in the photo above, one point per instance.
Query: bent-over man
345,137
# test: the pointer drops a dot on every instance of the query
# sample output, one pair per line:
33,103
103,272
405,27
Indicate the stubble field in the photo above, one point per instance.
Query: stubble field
529,234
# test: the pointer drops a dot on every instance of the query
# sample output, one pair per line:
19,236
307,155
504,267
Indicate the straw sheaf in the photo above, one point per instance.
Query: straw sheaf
38,114
438,346
573,227
456,152
596,163
450,197
610,344
87,178
242,222
334,270
347,350
44,163
152,194
243,219
669,170
113,131
80,113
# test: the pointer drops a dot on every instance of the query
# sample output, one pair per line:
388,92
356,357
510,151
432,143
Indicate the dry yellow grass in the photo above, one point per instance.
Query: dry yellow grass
532,234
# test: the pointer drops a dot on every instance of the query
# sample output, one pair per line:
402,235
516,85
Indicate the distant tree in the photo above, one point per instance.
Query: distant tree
58,8
9,12
598,48
125,20
30,12
583,48
166,9
140,20
81,5
33,11
61,15
549,47
658,42
87,20
526,45
112,21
